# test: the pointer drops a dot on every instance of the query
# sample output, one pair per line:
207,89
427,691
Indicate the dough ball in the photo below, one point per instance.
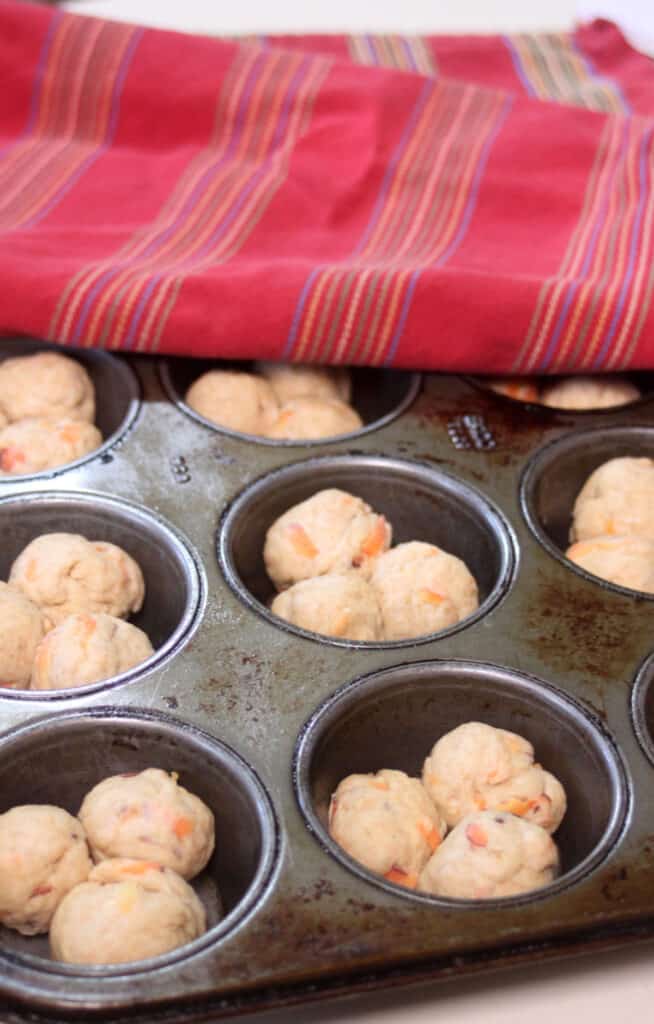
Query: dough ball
64,573
335,605
127,910
290,381
387,823
21,631
522,389
304,419
589,393
86,648
331,532
33,445
477,767
421,590
46,384
3,420
489,855
617,499
627,561
239,401
148,815
43,854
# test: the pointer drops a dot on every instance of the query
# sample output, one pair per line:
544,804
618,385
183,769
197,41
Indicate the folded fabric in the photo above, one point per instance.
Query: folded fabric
462,203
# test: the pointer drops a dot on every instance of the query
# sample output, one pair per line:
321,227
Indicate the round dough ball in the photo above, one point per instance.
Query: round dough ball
127,910
43,854
33,445
290,381
305,419
331,532
589,393
617,499
47,384
489,855
238,401
477,767
335,605
522,389
86,648
148,815
422,590
64,573
627,561
387,823
21,631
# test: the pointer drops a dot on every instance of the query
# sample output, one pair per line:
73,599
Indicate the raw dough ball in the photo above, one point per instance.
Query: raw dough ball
86,648
238,401
386,822
617,499
290,381
421,590
309,418
43,854
127,910
332,531
334,605
46,384
3,420
64,573
21,631
627,561
522,389
32,445
589,393
489,855
478,767
147,815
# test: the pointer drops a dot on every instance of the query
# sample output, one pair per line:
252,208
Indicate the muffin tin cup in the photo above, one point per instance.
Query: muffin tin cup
117,399
47,762
642,706
379,396
392,718
644,381
175,586
420,502
555,475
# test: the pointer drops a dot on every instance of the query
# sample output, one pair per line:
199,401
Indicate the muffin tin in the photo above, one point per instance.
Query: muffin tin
262,719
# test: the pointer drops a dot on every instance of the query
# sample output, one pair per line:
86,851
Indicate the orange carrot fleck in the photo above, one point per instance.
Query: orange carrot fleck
11,457
70,433
380,784
476,835
301,541
182,827
432,835
401,877
374,542
140,867
430,596
516,805
480,803
41,890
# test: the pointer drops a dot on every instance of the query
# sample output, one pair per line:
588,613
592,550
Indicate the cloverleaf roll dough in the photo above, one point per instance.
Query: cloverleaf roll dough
64,573
290,381
46,384
43,855
331,532
238,401
490,855
85,648
584,393
387,822
339,605
617,499
478,767
127,910
21,631
309,418
627,561
149,815
35,445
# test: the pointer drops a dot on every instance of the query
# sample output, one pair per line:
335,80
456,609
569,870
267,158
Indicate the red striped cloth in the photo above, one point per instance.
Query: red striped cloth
462,203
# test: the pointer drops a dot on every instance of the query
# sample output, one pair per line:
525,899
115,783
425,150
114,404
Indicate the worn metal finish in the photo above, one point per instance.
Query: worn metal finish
554,651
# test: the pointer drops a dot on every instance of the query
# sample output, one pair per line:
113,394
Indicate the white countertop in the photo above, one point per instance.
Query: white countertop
610,987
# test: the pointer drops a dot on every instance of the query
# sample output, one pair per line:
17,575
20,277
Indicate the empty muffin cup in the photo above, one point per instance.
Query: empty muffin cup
420,502
392,718
174,580
117,396
379,396
555,475
47,762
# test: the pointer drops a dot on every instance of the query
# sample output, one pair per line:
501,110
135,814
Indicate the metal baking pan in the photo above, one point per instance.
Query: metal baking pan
262,719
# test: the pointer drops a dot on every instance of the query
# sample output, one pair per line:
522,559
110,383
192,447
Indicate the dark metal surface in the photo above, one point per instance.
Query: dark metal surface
554,651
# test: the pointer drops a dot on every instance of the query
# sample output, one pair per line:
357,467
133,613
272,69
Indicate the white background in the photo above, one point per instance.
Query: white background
613,987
